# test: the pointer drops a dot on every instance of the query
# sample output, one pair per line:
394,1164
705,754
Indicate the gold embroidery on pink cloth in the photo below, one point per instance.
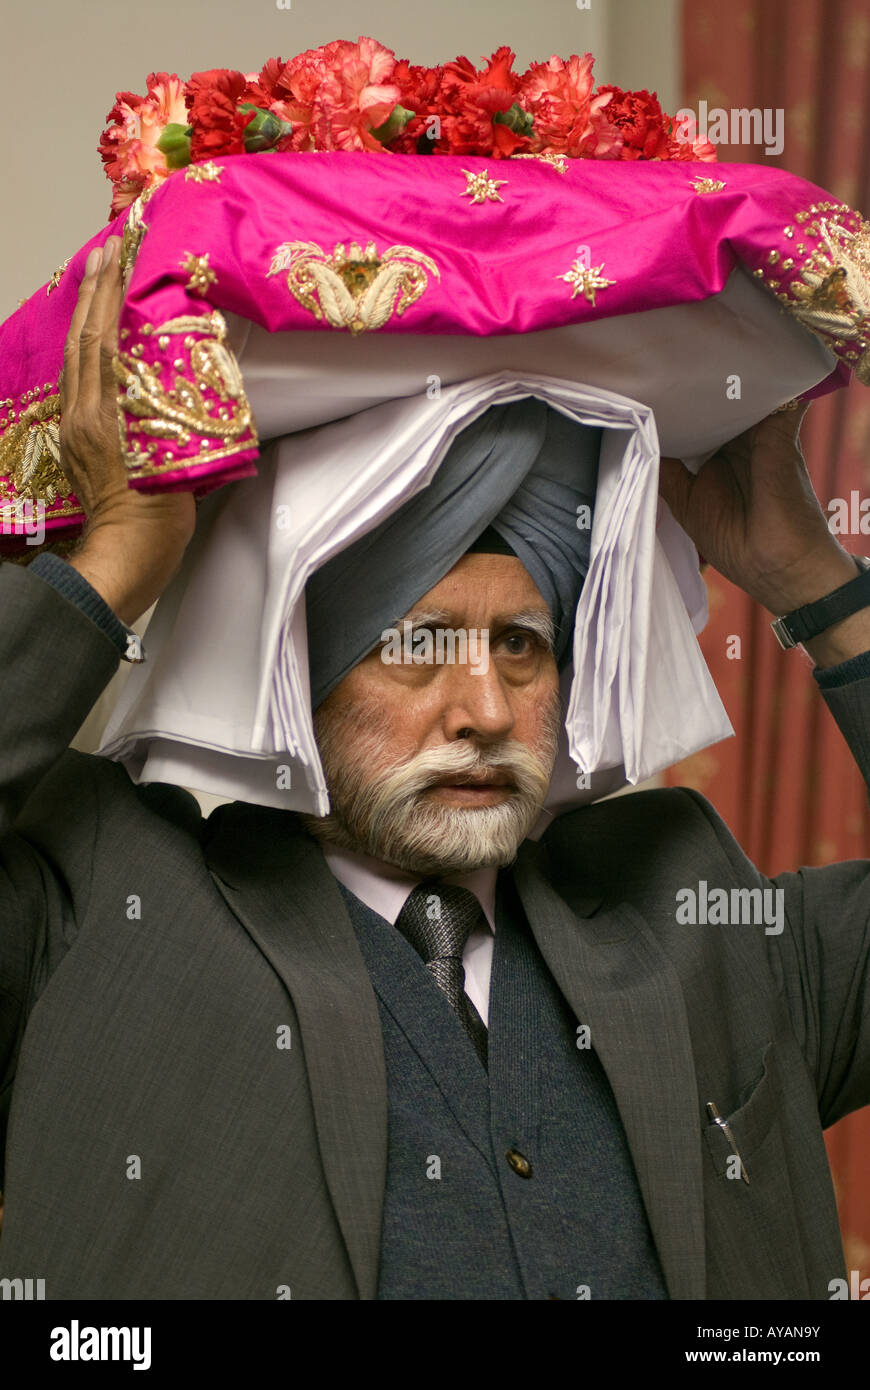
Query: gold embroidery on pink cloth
205,405
830,293
134,230
200,272
555,161
353,289
56,277
481,188
587,278
707,185
208,172
30,461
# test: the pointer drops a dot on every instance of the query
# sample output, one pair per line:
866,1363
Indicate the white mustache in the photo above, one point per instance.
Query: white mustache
427,768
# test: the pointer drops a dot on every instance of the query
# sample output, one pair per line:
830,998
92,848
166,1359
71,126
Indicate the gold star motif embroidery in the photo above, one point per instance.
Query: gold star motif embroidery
706,185
587,278
55,279
209,172
200,272
481,187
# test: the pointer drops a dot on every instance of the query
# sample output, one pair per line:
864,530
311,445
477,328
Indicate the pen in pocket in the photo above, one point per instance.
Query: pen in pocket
714,1115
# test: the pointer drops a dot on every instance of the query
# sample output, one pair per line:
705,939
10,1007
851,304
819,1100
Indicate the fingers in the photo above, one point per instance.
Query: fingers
97,344
69,380
89,433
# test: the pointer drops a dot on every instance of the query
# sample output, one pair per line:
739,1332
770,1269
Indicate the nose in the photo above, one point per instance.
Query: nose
475,705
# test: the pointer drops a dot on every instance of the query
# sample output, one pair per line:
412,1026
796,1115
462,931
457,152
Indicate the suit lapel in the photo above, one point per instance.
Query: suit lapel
276,882
419,1009
616,978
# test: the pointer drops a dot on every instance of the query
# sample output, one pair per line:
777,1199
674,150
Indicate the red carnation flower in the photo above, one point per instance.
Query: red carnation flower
420,92
684,144
212,102
267,91
471,103
640,121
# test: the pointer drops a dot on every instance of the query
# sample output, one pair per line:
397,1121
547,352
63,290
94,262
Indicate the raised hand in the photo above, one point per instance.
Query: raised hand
752,512
133,542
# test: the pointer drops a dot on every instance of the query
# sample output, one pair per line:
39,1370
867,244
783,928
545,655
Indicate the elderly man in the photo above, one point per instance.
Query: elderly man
403,1051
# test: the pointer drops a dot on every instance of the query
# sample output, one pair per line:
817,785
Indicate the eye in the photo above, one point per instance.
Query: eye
521,643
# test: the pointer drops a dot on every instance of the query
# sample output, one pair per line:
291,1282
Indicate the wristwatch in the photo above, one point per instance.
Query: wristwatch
814,618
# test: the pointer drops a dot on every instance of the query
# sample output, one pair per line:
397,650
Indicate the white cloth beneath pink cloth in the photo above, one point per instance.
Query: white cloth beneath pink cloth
222,704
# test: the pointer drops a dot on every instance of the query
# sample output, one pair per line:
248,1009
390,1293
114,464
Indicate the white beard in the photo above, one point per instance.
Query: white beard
387,815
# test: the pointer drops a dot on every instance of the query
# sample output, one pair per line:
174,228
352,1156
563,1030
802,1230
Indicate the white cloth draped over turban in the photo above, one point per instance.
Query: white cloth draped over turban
223,705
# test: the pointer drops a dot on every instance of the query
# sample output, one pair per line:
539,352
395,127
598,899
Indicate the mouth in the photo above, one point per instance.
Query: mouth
468,790
455,779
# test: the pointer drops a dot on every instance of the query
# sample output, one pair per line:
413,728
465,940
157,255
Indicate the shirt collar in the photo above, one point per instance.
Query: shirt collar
384,888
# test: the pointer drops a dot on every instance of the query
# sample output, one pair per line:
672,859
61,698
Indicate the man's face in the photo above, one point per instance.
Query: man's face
442,766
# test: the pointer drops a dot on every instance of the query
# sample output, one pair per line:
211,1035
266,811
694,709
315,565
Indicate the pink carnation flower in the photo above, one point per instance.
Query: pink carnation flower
569,119
128,146
340,93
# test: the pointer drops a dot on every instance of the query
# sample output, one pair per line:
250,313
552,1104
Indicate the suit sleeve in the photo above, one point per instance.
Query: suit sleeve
54,664
67,580
821,959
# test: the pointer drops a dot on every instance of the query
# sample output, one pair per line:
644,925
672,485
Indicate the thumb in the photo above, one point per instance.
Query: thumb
675,486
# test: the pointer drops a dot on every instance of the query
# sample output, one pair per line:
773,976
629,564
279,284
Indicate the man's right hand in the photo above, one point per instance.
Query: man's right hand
133,542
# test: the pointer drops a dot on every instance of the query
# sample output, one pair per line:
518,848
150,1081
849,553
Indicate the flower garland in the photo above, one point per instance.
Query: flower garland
358,96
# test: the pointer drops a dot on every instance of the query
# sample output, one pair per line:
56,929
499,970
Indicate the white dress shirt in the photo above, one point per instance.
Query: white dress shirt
384,889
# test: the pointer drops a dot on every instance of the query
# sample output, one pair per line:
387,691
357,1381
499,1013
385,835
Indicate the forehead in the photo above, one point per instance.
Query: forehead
482,582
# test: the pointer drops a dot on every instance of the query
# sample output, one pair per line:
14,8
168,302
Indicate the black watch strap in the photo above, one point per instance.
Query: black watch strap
814,618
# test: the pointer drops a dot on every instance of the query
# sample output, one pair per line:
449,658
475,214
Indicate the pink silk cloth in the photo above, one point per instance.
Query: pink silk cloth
351,243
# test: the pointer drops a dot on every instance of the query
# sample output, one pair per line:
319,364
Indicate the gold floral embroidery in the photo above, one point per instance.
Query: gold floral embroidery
555,161
30,457
209,172
200,272
587,278
353,289
56,277
480,187
707,185
181,411
830,295
134,230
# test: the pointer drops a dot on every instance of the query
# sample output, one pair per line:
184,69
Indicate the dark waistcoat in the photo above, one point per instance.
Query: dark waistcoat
513,1184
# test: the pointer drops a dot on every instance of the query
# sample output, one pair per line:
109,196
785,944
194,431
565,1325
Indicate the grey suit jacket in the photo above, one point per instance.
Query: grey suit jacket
161,1145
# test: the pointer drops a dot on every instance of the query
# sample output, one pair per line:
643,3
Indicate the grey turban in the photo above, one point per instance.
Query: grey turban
523,469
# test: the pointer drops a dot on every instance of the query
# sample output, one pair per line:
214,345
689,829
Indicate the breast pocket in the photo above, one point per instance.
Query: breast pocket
748,1126
754,1248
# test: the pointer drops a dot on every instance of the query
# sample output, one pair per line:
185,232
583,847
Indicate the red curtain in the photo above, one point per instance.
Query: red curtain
787,786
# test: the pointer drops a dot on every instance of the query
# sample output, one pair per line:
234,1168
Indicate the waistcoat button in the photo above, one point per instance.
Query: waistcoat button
519,1164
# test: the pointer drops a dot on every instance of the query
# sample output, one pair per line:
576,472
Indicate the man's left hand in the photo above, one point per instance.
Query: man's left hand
752,512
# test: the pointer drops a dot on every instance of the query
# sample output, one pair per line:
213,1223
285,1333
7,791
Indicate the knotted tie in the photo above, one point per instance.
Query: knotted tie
437,920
